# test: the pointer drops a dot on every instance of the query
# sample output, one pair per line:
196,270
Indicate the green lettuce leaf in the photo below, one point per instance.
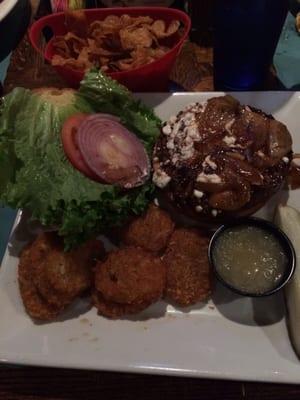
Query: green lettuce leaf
108,96
35,174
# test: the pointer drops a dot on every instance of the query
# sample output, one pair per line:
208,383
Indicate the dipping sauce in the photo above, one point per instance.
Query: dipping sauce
250,259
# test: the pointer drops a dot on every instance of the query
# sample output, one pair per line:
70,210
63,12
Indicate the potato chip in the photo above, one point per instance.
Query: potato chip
98,35
138,21
159,52
74,42
136,37
114,44
83,57
61,46
68,62
125,20
159,28
111,23
94,26
139,57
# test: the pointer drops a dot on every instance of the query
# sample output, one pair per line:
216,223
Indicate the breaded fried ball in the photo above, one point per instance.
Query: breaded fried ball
33,302
190,242
43,243
60,276
50,279
188,271
131,276
113,310
151,231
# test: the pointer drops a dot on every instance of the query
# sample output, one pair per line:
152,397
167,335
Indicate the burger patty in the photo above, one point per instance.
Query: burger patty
220,158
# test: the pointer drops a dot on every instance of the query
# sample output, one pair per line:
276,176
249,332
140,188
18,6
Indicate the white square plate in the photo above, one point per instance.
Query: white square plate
230,337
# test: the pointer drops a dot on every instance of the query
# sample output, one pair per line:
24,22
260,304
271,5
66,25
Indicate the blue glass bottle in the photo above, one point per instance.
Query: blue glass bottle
246,34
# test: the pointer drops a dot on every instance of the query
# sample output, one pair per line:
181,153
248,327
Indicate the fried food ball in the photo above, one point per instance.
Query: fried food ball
43,243
188,271
131,276
50,279
128,281
188,241
113,310
60,277
33,302
151,231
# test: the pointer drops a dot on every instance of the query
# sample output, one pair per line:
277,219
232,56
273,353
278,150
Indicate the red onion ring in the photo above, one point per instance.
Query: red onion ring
112,152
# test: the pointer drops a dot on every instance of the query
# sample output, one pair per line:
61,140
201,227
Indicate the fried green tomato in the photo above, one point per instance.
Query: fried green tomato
113,310
50,279
151,231
188,271
128,281
60,277
34,303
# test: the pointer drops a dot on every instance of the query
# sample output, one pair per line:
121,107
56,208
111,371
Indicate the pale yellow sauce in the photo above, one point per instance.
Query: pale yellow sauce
250,259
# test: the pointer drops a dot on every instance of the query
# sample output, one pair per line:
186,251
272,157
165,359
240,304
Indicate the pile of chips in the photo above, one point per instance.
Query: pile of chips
114,44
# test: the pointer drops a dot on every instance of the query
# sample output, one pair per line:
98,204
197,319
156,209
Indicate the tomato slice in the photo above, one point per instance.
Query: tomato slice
68,136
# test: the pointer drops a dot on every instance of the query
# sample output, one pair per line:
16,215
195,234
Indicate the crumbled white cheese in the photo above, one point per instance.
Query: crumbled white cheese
198,194
176,128
175,159
208,161
229,140
204,105
198,208
183,132
214,212
285,160
193,132
188,141
167,129
211,178
170,144
228,126
188,119
161,178
187,151
193,107
189,116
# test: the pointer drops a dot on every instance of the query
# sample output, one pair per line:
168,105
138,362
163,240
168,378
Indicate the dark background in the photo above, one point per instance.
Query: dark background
55,384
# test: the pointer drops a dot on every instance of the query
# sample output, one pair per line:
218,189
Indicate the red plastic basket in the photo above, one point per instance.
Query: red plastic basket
150,77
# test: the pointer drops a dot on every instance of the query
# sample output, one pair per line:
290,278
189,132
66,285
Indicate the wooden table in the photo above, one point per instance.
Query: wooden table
62,384
193,71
